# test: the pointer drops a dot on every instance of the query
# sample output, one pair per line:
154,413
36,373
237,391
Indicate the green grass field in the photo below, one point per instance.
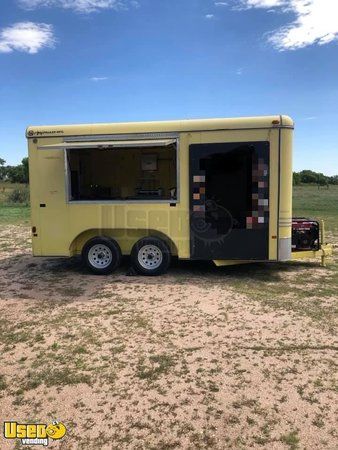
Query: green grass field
309,201
15,214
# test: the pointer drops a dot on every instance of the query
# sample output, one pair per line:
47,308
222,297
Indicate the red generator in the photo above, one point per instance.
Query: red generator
305,234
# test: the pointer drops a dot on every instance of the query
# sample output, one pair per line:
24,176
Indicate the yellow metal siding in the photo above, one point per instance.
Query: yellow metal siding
285,207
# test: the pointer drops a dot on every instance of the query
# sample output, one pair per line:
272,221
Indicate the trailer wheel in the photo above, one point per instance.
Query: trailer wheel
101,255
150,256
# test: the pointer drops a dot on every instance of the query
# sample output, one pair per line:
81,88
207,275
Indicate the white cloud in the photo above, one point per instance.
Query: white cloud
98,78
221,4
316,22
209,16
262,3
83,6
26,37
239,71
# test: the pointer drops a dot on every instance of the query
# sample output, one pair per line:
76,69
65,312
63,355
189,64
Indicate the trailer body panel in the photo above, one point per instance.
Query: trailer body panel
63,224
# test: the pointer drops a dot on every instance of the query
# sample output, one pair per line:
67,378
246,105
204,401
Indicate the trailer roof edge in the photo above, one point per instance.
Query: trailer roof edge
241,123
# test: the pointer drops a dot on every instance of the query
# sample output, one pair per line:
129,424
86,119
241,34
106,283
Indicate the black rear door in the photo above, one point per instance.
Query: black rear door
229,200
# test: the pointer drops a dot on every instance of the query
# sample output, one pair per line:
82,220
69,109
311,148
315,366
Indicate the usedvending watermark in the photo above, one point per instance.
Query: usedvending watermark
34,433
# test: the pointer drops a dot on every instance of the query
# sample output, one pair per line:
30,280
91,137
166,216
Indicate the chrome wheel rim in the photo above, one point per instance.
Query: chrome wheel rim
150,257
100,256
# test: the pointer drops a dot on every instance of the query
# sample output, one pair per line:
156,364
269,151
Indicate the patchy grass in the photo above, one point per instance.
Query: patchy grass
204,357
157,366
302,294
14,334
54,377
3,384
291,440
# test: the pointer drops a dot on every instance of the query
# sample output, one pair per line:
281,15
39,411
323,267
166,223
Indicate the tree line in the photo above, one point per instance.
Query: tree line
310,177
14,174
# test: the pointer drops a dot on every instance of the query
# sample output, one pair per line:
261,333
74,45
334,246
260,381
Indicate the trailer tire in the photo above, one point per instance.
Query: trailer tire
102,255
150,256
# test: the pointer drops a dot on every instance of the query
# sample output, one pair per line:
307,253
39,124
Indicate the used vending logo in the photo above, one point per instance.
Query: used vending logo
34,433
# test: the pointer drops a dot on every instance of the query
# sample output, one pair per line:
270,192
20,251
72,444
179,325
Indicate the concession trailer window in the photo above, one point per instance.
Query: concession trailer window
129,170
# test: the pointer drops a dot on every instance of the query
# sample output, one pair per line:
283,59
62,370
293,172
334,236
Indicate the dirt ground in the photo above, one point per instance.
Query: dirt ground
201,358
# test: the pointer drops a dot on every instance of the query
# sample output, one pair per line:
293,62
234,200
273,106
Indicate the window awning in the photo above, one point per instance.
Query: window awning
109,144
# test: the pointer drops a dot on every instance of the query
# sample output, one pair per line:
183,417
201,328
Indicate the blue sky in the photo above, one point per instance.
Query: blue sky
78,61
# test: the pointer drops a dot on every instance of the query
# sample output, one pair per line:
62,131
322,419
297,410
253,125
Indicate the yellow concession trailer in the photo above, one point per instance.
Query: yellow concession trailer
215,189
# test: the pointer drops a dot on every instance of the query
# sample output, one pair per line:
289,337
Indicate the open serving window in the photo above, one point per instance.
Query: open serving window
125,170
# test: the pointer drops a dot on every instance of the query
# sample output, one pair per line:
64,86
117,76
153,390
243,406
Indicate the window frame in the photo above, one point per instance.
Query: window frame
136,137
